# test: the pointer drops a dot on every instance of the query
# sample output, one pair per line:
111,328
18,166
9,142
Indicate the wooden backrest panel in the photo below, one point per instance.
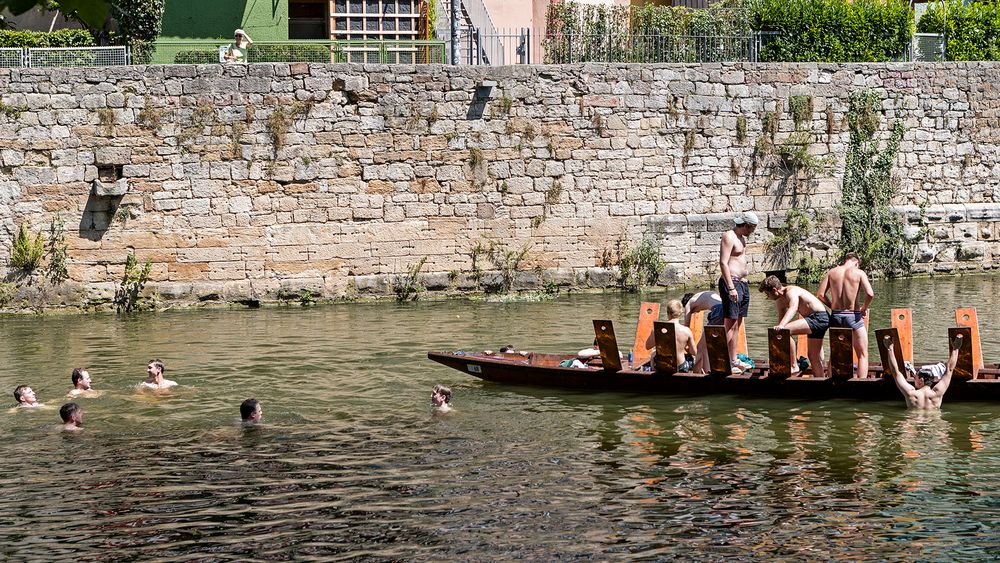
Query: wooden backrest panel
608,345
902,321
779,353
644,344
842,353
965,369
719,362
883,353
666,348
966,317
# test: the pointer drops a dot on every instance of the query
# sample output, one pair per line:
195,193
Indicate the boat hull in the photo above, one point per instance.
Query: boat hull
526,371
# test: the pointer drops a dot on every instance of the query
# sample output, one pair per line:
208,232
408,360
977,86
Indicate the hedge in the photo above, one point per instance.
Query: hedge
832,30
60,38
973,30
261,54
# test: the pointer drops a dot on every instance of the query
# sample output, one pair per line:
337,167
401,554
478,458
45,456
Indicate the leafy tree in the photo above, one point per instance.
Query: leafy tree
139,23
92,13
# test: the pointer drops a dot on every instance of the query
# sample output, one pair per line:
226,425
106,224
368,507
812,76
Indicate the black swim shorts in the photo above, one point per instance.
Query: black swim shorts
847,319
715,315
818,323
731,310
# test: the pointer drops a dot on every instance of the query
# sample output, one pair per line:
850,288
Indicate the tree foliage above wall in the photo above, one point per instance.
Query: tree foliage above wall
972,30
832,30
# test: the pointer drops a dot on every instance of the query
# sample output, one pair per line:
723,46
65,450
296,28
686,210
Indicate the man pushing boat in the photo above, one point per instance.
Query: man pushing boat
930,383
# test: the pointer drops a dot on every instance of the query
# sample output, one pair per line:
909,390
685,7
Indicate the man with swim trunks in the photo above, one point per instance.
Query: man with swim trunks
815,320
843,284
733,286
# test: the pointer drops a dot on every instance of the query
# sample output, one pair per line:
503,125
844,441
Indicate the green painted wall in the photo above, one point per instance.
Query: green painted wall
263,20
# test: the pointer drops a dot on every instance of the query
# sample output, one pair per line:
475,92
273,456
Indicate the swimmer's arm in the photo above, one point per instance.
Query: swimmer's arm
901,383
869,292
824,288
942,385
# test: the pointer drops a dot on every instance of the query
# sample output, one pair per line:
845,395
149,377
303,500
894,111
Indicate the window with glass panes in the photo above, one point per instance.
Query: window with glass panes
373,19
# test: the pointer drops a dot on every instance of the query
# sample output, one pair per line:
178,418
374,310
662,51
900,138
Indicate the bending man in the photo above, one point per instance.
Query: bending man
815,320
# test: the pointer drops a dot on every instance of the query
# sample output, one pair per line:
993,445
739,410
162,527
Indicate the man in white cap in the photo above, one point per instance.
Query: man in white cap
930,383
733,286
236,52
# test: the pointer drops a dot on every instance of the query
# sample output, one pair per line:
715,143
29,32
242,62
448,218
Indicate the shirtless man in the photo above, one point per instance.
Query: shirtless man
843,283
72,417
81,384
441,399
814,322
702,301
930,384
733,286
155,380
251,412
25,397
683,338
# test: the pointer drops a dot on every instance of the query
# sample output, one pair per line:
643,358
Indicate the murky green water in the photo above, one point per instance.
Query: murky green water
351,465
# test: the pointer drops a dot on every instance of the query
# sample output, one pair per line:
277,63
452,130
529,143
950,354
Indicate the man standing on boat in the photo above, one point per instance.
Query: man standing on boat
815,320
733,286
843,284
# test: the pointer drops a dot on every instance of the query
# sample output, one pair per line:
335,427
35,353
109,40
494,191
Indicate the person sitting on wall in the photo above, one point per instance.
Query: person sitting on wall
236,52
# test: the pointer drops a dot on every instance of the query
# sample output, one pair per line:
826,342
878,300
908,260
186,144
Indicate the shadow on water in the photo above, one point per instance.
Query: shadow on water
350,464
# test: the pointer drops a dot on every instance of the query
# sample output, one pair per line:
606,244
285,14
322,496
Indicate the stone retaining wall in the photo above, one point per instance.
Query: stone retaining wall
262,181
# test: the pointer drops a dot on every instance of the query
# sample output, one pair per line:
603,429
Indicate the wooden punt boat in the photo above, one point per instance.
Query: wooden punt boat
972,380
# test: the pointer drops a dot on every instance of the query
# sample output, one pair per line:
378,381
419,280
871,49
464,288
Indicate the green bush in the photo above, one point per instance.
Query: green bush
972,30
60,38
197,57
832,30
26,253
289,54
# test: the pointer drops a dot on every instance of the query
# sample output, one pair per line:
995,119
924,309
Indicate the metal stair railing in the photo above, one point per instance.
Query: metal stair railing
488,45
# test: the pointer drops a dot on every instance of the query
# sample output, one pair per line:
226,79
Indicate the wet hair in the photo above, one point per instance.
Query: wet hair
444,392
18,391
248,407
67,411
158,364
687,297
674,309
77,375
770,283
850,256
507,348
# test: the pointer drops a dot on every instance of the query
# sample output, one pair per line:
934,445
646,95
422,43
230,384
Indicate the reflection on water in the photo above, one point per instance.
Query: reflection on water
350,464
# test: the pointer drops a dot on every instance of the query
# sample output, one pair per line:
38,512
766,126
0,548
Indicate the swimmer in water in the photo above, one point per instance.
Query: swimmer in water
251,412
930,383
72,417
25,397
441,399
81,384
155,381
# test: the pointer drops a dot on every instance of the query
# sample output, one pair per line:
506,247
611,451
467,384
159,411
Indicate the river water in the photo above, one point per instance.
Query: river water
351,465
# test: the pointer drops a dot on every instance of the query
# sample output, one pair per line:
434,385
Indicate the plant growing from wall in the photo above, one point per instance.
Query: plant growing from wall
56,271
507,262
639,266
149,116
13,111
281,120
106,119
801,108
784,249
869,225
7,292
133,280
795,158
741,129
407,287
26,252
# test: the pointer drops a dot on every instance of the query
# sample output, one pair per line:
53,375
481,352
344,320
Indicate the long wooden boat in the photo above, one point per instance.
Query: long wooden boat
972,380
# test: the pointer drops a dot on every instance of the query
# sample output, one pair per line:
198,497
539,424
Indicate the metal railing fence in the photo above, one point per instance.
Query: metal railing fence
312,51
65,56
